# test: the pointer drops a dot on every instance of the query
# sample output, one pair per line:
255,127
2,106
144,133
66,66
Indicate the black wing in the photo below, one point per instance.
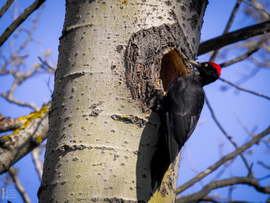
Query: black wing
182,108
180,111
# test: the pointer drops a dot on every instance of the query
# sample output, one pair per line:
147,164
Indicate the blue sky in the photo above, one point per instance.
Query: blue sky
253,112
203,144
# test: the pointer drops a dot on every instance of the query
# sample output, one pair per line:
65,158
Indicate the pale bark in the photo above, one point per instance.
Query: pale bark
102,131
23,140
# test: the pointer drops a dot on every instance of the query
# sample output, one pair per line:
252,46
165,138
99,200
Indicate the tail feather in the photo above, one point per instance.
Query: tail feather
160,163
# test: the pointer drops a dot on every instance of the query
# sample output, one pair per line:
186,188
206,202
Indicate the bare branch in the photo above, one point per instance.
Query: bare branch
266,48
224,167
222,183
13,174
30,33
5,7
245,90
47,65
250,51
21,103
263,165
257,7
209,198
226,158
228,26
16,23
260,64
225,133
248,76
193,168
22,141
232,37
242,57
266,142
19,78
242,124
264,15
14,56
7,123
35,155
263,178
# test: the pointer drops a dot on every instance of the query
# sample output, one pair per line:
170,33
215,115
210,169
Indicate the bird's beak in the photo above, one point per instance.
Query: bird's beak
193,63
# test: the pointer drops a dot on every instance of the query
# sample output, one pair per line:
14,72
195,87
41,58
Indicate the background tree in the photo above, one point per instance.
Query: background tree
251,78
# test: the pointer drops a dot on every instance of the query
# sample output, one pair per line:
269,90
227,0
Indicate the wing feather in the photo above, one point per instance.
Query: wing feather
180,112
182,108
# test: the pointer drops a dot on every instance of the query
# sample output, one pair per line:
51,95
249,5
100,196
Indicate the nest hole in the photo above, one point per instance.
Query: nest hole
172,67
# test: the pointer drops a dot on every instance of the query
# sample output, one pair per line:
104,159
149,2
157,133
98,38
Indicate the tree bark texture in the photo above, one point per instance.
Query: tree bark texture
103,123
32,132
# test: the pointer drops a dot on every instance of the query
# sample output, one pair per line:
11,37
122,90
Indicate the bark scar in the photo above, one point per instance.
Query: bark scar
143,58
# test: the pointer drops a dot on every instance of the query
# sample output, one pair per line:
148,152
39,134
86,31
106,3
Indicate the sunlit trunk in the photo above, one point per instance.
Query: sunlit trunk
103,124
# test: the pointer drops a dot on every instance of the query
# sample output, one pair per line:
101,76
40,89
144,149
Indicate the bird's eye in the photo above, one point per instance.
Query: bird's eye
206,64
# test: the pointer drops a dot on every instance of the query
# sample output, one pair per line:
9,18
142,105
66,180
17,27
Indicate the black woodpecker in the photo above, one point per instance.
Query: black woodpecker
179,112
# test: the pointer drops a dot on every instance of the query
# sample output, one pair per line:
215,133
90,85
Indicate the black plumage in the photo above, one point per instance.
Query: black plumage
180,111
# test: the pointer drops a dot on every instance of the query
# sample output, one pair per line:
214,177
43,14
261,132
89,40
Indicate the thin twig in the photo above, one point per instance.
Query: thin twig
38,164
209,198
5,7
223,160
19,77
220,147
222,183
266,144
265,64
20,103
248,76
257,8
16,23
263,165
228,26
46,64
241,58
245,90
224,132
226,199
250,51
18,185
263,178
23,45
225,166
242,124
231,187
193,168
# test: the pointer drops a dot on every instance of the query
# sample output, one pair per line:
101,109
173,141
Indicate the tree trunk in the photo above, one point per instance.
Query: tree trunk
114,57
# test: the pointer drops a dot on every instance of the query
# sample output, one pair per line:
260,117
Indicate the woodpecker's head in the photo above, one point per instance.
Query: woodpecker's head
209,71
209,68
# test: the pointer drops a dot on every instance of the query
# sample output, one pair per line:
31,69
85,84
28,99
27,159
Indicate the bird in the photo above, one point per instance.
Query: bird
179,113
